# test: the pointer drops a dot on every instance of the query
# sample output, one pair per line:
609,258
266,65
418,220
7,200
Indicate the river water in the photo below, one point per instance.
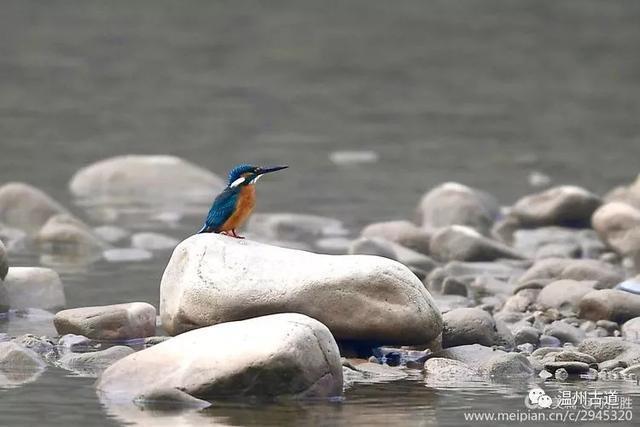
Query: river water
480,92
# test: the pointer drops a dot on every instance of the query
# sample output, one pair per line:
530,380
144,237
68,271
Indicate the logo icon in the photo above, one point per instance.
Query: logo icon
537,399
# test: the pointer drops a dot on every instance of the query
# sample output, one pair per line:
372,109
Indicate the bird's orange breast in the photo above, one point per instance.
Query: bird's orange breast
244,207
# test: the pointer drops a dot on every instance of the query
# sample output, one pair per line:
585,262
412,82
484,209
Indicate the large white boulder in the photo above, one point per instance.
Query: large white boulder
214,278
145,176
127,186
279,355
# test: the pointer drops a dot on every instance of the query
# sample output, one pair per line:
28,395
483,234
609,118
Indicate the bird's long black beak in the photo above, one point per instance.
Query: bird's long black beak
262,171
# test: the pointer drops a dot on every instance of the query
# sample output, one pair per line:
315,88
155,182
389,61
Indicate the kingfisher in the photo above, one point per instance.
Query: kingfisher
232,207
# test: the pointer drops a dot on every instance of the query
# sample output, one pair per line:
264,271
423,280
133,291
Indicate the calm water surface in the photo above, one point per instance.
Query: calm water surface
481,92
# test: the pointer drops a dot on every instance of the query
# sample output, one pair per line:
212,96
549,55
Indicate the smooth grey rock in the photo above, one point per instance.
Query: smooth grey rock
507,366
505,338
611,348
571,356
463,326
126,255
73,342
521,301
559,250
413,259
564,295
42,346
526,334
561,374
373,246
108,322
25,207
402,232
609,365
543,352
627,194
454,286
497,270
545,242
487,285
64,232
294,227
609,304
4,263
14,239
511,318
485,362
111,233
609,325
212,279
144,178
565,332
441,372
34,287
631,370
564,205
631,330
93,363
18,365
526,349
504,228
553,269
549,341
370,373
461,243
153,241
473,354
447,303
618,225
456,204
278,355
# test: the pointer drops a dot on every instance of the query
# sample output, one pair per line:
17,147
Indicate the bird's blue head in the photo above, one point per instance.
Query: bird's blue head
245,174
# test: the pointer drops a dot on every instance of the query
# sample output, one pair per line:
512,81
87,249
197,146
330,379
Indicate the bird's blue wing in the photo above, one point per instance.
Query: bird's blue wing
222,208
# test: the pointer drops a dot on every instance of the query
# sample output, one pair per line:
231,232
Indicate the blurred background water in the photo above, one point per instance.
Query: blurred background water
480,92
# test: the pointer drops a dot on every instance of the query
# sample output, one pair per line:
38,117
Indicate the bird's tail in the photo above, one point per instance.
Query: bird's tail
204,229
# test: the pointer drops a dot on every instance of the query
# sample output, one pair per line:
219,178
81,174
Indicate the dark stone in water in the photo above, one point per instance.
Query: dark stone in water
549,341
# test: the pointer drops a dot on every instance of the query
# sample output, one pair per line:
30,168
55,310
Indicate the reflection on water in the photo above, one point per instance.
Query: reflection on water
377,404
485,93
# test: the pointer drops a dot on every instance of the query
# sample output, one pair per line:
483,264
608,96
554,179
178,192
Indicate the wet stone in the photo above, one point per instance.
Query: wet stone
569,367
561,374
549,341
94,362
565,332
109,322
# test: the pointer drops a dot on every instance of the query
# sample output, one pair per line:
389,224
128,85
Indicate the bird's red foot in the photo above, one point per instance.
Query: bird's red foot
233,233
